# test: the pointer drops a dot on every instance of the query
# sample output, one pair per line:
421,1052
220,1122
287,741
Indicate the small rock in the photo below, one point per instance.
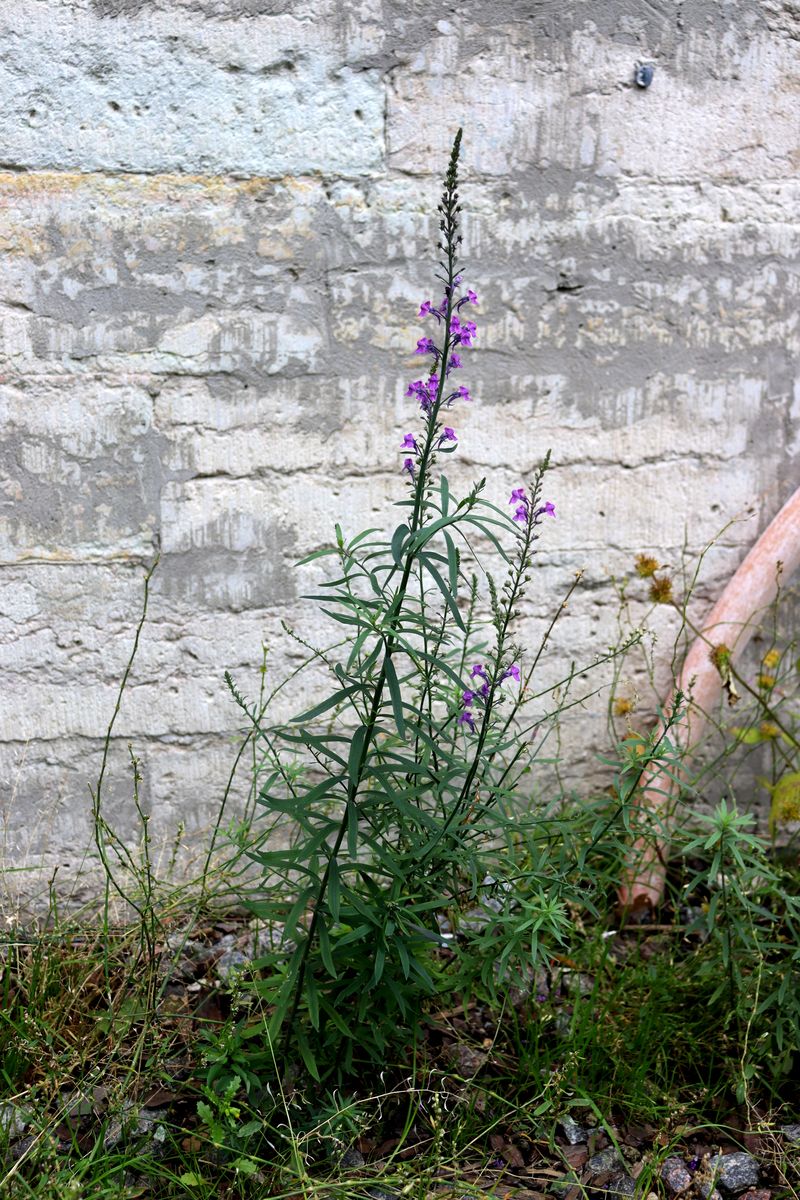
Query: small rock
466,1059
676,1175
231,963
735,1172
791,1132
609,1159
13,1121
352,1158
576,983
757,1194
620,1185
573,1132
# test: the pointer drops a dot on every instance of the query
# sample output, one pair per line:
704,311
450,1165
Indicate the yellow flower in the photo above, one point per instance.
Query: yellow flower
771,659
769,730
623,706
661,589
785,805
645,565
766,681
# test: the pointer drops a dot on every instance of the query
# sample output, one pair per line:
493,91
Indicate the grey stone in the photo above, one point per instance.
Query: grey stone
232,963
676,1175
619,1185
573,1132
13,1120
735,1172
791,1132
609,1159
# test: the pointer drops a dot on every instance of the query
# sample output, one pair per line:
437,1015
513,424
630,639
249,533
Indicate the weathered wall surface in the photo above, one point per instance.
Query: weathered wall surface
215,230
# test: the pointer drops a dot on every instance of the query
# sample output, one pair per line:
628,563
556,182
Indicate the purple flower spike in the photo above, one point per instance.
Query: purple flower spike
426,346
511,672
408,465
409,441
466,718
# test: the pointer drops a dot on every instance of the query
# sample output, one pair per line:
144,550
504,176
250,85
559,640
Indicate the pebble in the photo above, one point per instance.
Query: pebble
13,1122
791,1132
231,963
620,1185
609,1159
352,1158
573,1132
676,1175
735,1172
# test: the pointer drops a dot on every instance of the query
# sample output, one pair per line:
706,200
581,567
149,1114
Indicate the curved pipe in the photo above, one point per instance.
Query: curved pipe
753,587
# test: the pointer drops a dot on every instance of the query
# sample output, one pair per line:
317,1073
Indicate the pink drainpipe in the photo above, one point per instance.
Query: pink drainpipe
752,589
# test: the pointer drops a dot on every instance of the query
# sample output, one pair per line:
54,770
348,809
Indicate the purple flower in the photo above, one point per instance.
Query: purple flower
468,697
467,718
462,333
464,393
454,364
426,346
409,441
521,514
408,465
517,495
478,669
549,509
424,308
511,672
424,392
449,435
473,299
484,690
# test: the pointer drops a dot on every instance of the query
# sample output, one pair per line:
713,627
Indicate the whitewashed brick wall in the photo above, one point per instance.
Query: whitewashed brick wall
215,230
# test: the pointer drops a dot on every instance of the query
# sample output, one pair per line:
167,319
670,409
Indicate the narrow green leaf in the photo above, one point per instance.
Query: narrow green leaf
308,1057
425,559
318,709
354,758
301,562
444,488
334,893
325,948
397,699
398,537
452,564
425,534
